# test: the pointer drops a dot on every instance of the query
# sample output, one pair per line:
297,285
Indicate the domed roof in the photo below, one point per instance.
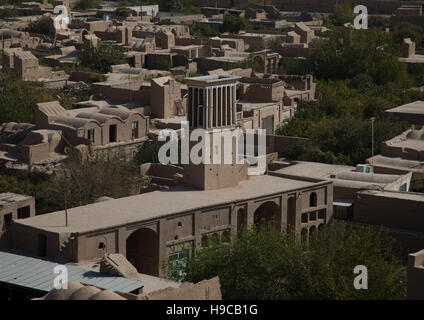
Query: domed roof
121,112
84,293
106,295
63,294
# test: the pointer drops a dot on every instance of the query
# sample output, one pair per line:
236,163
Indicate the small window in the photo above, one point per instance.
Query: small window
402,187
313,199
90,135
101,245
23,212
134,129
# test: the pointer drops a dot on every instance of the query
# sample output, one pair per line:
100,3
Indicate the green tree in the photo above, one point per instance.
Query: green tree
87,178
149,151
40,26
234,24
264,264
18,99
203,31
163,64
101,58
122,12
87,4
342,14
100,14
348,53
407,30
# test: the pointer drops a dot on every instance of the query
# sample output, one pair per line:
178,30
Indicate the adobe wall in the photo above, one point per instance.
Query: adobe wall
395,20
28,239
389,211
411,118
163,105
203,290
35,153
278,144
12,208
295,51
402,152
261,114
415,276
266,92
122,95
94,26
256,42
188,41
208,64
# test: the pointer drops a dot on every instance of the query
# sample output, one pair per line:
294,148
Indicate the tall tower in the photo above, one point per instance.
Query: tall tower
212,106
212,101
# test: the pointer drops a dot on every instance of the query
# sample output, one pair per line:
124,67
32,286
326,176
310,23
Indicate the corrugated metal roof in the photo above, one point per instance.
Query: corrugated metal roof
38,274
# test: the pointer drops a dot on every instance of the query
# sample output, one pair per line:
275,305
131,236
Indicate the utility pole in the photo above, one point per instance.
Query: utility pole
65,177
372,136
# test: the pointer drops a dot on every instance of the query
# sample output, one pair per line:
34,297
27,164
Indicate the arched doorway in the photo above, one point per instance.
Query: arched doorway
241,220
267,211
313,199
291,214
205,241
143,251
312,231
226,236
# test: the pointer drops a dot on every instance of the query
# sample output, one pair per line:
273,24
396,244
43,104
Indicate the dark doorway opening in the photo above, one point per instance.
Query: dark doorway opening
143,251
42,245
112,133
23,212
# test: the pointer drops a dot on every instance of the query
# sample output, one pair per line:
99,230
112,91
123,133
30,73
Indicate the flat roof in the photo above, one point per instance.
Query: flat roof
37,274
416,107
9,197
410,143
397,162
341,175
157,204
313,169
413,196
